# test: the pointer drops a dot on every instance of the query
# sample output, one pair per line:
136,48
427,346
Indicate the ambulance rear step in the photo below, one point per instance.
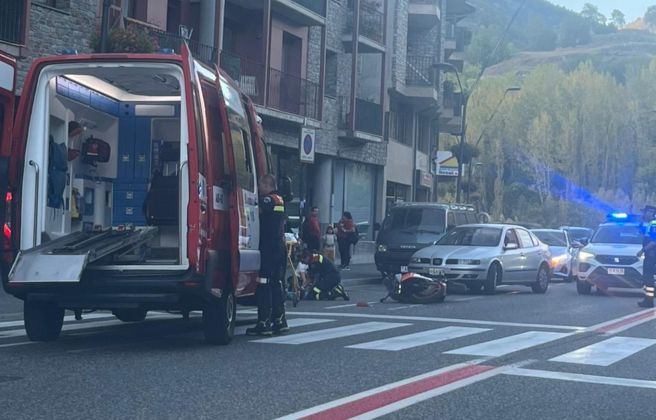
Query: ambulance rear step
63,260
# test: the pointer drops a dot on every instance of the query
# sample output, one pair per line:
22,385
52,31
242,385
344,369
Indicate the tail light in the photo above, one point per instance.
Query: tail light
7,254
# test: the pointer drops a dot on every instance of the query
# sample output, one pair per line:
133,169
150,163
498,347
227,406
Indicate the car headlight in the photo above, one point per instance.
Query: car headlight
469,262
585,256
382,248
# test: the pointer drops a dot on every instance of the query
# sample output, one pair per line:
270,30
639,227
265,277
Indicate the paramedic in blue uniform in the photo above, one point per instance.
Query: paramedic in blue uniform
648,229
269,294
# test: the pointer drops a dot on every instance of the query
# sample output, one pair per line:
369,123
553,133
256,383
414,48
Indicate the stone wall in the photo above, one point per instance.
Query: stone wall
52,30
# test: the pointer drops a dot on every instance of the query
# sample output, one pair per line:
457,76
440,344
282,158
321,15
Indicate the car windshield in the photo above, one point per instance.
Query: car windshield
618,234
419,219
472,236
551,238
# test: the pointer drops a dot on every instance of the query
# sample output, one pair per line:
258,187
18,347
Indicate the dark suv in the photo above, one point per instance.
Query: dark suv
411,226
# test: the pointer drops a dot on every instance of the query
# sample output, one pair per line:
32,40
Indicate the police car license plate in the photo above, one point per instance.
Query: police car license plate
404,269
435,271
616,271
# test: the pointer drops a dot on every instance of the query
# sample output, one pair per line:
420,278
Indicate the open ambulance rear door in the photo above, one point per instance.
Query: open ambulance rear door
7,102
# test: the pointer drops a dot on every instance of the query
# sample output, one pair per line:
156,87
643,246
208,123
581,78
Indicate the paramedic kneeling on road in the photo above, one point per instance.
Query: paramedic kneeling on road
327,280
273,253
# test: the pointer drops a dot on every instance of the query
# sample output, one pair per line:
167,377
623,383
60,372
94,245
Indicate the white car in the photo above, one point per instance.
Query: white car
484,256
562,251
610,259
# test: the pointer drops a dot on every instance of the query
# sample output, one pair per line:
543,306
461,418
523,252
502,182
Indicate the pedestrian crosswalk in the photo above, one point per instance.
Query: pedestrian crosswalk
606,352
392,336
603,353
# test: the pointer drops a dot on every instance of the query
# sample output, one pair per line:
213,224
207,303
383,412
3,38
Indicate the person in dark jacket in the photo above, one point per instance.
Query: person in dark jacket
269,293
327,280
312,230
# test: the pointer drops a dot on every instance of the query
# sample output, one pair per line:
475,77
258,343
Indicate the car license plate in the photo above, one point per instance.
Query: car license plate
616,271
435,271
404,268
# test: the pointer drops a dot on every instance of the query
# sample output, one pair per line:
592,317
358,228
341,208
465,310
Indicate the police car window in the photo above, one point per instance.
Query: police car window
451,219
471,217
461,219
618,234
525,238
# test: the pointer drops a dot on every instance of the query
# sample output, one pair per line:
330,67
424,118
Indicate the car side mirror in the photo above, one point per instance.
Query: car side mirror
511,246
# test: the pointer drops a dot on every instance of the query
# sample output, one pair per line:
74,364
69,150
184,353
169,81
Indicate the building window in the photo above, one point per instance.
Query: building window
57,4
12,21
423,135
330,84
400,122
396,193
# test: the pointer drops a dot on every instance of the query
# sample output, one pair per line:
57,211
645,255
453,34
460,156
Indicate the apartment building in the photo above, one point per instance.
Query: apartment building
34,28
358,74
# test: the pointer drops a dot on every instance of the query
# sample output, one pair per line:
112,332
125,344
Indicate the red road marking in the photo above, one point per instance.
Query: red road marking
619,324
390,396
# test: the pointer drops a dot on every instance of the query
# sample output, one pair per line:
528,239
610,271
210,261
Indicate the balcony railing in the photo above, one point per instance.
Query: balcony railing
371,23
293,94
317,6
11,21
424,1
248,73
419,70
202,52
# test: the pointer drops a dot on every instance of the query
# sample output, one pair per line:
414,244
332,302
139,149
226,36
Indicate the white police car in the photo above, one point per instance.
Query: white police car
610,259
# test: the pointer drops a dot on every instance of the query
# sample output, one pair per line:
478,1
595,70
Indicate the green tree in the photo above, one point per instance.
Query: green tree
591,13
650,16
618,18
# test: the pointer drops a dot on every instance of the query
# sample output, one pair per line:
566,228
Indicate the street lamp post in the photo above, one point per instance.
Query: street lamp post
463,126
485,126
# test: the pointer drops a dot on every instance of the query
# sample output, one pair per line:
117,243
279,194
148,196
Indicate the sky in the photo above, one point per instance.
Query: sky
633,9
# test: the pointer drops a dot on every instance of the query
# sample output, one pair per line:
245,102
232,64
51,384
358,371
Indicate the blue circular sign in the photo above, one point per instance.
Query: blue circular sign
307,144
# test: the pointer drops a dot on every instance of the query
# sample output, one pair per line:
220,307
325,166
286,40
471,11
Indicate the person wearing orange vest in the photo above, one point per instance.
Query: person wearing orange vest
327,280
273,253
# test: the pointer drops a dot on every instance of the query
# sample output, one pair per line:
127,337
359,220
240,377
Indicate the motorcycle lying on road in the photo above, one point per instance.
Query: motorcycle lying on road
414,288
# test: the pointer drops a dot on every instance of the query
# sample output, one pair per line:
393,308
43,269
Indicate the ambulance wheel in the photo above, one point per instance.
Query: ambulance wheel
130,314
583,287
219,319
43,320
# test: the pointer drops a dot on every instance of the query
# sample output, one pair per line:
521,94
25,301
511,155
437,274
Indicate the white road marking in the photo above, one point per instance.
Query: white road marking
511,344
624,323
341,306
332,333
293,323
403,342
68,318
401,307
351,398
577,377
436,319
451,299
22,343
606,352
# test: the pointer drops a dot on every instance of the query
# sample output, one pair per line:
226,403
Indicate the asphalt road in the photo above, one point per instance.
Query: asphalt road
514,355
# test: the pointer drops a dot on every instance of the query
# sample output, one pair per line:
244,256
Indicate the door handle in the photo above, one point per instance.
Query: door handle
37,172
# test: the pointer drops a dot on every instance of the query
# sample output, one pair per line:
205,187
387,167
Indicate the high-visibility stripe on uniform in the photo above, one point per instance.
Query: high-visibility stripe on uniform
280,209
